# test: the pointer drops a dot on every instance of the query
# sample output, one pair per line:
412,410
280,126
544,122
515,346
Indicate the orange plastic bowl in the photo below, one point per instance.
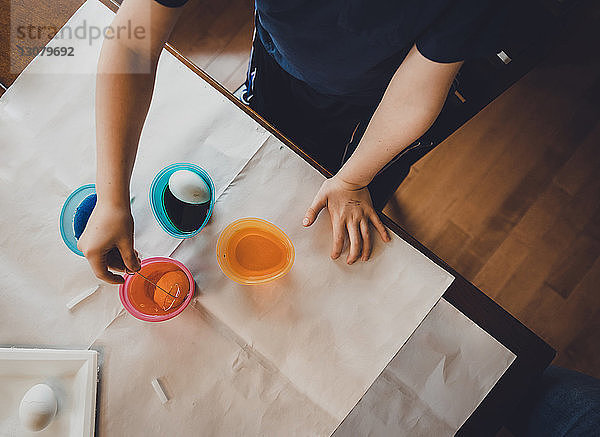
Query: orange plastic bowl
254,251
137,294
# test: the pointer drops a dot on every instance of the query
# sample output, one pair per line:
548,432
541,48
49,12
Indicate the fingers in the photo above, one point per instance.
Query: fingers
318,204
339,235
383,233
114,261
351,212
129,255
355,242
366,238
98,263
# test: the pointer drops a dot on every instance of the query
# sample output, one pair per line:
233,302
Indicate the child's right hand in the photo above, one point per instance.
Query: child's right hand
107,242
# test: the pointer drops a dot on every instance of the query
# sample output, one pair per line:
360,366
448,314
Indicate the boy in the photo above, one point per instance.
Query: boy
353,82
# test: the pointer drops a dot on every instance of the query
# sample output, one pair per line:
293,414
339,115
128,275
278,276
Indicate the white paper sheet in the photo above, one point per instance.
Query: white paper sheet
434,383
218,385
215,386
48,147
329,327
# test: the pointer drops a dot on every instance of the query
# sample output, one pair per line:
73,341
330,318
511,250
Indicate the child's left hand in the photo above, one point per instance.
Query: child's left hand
350,209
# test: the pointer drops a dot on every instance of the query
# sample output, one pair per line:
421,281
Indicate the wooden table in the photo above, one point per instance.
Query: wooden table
533,354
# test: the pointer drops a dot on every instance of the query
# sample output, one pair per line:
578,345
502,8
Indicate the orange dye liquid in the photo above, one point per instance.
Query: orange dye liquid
141,292
256,252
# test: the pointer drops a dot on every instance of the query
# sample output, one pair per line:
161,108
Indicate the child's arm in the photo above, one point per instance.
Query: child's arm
411,103
125,81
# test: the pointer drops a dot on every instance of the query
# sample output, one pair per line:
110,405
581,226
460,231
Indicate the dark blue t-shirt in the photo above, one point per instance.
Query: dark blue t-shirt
351,48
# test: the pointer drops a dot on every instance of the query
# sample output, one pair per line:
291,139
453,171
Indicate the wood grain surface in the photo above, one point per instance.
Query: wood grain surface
512,199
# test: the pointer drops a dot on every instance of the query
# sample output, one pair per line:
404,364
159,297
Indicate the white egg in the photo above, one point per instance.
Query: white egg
38,407
189,187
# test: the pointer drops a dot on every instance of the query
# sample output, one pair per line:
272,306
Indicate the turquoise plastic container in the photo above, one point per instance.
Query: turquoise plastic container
157,191
68,213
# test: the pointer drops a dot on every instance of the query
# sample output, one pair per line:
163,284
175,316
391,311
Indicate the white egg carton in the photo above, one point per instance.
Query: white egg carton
72,375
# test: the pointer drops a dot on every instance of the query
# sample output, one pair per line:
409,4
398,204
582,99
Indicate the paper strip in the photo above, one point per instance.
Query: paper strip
159,391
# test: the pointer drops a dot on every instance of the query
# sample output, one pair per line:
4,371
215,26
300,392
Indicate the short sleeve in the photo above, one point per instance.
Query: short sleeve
172,3
466,29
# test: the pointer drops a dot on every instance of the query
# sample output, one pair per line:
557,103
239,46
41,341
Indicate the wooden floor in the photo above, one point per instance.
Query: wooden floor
511,200
217,36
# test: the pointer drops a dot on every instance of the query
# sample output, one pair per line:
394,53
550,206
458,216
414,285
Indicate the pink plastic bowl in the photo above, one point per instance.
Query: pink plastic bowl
151,268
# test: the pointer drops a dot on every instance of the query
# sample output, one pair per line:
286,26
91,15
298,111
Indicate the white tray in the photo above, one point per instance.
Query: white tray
72,374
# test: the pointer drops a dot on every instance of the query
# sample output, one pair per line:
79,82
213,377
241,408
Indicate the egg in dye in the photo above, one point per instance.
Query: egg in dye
186,200
82,214
169,282
189,187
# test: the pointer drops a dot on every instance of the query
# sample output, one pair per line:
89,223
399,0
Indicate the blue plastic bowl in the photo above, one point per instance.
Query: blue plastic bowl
68,213
157,190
